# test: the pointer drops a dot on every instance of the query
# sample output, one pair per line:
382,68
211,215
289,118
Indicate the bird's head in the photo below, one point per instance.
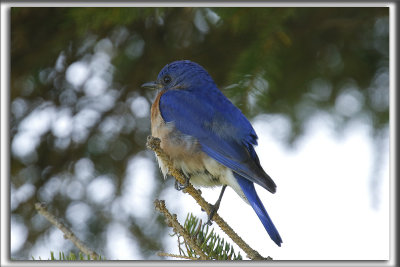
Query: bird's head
181,75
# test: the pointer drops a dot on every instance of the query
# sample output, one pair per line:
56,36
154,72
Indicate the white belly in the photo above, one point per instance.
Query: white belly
211,173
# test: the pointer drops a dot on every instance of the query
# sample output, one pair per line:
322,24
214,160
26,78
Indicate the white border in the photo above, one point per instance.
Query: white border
198,4
392,137
5,162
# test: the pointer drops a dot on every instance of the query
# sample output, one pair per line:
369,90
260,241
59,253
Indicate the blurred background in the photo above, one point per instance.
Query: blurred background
314,82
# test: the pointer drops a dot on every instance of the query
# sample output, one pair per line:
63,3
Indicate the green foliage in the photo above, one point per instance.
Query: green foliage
215,247
70,257
100,18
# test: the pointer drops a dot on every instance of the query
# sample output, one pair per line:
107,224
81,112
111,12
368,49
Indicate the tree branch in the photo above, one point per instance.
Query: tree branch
154,144
68,234
163,254
171,220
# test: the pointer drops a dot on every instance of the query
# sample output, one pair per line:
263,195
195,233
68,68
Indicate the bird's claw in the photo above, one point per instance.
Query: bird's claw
213,210
179,186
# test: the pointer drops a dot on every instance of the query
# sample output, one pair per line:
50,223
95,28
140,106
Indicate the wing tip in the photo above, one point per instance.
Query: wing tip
270,184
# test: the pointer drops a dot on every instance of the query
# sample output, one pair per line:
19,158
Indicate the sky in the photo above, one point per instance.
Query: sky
322,208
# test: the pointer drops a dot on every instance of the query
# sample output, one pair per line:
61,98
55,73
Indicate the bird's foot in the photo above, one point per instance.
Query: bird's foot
214,208
179,186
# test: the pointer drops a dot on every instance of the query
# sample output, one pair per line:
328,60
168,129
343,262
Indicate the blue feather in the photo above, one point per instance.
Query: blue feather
223,135
255,202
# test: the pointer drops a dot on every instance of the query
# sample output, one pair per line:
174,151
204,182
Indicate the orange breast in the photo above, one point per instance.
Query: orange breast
184,151
174,143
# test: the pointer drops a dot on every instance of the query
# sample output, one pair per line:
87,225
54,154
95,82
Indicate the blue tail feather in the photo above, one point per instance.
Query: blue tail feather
255,202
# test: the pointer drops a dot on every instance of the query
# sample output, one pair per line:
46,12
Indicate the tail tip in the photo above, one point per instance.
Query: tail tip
277,240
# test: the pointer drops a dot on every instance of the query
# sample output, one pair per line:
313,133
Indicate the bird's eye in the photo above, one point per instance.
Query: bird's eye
167,79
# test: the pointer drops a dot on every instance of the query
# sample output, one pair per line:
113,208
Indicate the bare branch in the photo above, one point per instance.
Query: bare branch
163,254
68,234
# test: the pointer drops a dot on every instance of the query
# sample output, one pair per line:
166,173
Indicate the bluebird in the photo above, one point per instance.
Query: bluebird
207,138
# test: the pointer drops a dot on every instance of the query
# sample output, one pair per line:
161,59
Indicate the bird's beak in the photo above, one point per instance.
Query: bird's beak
152,85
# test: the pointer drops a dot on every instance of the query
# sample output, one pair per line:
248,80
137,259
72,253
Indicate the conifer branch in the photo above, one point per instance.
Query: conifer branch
154,144
178,228
163,254
211,243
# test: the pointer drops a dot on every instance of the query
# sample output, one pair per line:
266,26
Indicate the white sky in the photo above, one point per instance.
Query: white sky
322,208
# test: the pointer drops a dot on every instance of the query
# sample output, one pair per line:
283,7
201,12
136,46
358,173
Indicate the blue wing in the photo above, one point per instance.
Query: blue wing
222,130
255,202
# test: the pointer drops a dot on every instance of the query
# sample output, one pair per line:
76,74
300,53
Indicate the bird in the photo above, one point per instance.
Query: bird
207,137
